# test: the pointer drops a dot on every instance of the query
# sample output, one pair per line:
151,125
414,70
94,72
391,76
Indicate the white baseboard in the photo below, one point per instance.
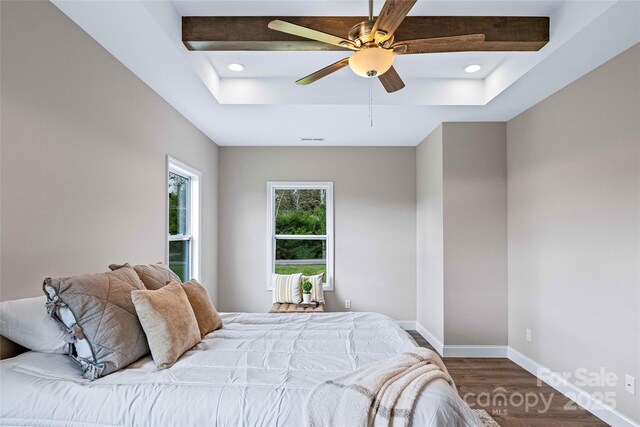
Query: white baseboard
407,325
431,338
601,410
475,351
461,350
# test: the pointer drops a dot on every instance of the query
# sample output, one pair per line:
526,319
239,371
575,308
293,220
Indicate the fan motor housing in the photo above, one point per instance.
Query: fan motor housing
361,34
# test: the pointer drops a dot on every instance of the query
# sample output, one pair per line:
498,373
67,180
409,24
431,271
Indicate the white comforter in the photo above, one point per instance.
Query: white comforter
256,371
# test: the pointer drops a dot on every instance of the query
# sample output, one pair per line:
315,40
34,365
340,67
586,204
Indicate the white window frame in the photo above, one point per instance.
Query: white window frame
272,186
193,214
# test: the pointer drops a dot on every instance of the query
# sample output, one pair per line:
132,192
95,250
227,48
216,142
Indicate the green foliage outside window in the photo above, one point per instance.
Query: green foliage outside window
179,250
178,190
300,212
306,269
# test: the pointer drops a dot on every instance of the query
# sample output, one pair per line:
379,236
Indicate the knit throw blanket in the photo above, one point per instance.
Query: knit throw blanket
379,394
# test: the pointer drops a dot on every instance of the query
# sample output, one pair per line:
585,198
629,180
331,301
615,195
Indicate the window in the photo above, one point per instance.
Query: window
300,229
183,245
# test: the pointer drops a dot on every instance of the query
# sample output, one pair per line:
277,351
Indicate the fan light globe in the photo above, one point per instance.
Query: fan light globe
371,61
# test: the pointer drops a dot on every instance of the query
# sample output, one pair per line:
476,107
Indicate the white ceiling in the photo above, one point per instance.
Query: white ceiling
361,7
262,106
299,64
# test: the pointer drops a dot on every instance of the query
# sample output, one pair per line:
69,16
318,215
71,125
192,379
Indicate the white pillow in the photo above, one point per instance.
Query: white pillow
317,291
286,288
26,322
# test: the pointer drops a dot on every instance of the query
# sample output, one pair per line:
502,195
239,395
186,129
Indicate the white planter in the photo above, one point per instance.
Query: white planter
306,298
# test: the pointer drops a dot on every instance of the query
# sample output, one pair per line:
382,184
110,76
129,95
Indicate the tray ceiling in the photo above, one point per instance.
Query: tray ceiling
261,105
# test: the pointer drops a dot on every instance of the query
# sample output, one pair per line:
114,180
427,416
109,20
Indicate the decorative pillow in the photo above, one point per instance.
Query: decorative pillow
208,318
169,322
26,322
97,310
154,276
286,288
317,293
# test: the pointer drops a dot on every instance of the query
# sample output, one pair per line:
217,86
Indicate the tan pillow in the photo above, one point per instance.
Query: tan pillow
169,322
208,318
154,276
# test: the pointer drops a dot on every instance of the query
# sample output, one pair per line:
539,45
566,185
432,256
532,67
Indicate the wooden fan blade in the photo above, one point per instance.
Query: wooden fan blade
439,44
324,72
308,33
391,80
391,16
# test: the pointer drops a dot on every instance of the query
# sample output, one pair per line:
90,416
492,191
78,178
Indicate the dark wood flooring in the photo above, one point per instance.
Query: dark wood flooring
501,387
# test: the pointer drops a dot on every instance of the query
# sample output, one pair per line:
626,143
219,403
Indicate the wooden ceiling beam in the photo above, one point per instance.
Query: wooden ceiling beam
502,33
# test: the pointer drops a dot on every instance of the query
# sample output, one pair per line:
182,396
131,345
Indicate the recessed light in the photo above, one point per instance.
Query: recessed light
236,67
473,68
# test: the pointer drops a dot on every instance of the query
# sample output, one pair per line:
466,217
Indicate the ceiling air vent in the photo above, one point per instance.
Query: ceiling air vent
306,139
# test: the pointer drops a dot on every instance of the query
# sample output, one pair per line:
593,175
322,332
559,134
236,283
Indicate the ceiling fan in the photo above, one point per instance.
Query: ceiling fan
373,45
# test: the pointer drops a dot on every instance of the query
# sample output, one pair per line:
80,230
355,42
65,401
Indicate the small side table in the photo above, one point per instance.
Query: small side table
295,308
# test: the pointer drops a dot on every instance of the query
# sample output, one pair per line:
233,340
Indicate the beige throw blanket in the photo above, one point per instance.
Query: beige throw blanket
379,394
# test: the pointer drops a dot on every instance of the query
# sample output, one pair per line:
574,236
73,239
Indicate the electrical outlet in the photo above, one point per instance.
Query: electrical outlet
347,303
528,334
630,384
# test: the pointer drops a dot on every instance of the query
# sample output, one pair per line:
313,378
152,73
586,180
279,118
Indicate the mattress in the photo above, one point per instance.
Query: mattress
256,371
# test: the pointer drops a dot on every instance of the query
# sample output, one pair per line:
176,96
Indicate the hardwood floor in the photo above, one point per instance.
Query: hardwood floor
502,388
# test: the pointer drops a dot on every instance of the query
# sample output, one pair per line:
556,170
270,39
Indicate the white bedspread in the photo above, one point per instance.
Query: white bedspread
256,371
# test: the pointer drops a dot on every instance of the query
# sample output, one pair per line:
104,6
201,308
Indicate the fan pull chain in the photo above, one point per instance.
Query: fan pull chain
371,102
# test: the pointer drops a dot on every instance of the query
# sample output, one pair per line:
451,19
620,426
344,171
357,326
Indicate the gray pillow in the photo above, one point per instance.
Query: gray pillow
154,276
98,311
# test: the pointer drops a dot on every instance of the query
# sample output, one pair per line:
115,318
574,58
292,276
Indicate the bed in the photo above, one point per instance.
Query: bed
256,371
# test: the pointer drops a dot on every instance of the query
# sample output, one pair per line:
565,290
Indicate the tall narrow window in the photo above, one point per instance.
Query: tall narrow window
300,229
183,247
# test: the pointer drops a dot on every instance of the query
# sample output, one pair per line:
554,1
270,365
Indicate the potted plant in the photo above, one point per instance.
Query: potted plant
306,292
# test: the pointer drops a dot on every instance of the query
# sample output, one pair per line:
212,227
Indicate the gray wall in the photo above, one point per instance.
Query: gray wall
461,234
83,157
430,235
374,198
574,227
475,233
